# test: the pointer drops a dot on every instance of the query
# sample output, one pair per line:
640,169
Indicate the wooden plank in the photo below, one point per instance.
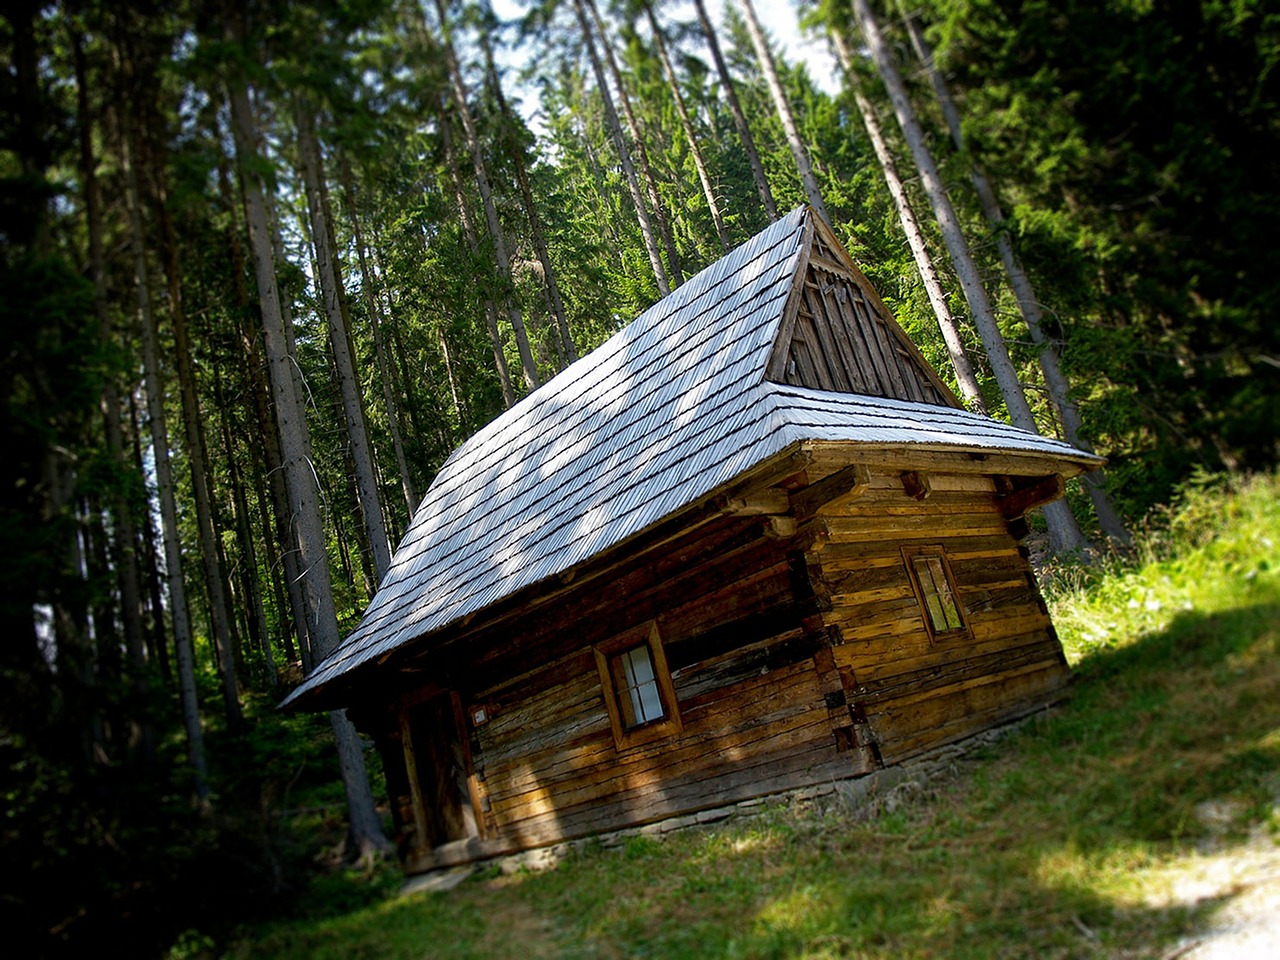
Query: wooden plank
911,728
921,526
776,368
642,785
797,769
421,837
922,680
806,363
855,628
611,782
901,506
743,706
882,662
999,624
828,264
862,339
884,346
939,458
837,581
841,339
816,317
817,355
898,592
818,763
719,673
969,570
868,292
474,789
607,768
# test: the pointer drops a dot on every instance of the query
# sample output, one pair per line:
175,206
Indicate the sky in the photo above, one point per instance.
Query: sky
778,17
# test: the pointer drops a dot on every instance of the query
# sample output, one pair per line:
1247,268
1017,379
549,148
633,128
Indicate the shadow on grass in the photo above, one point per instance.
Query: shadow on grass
1058,842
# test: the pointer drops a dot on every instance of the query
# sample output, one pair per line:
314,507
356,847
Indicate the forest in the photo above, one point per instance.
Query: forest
265,265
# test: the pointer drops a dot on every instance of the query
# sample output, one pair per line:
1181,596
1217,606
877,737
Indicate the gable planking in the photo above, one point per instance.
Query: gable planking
837,335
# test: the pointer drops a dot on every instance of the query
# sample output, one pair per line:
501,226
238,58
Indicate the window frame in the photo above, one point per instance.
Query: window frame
909,557
606,654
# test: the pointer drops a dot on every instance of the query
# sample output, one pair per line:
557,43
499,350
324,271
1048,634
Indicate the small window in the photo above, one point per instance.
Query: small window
636,687
935,588
638,692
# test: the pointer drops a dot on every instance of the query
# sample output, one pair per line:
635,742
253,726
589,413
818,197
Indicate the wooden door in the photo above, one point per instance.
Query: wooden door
437,757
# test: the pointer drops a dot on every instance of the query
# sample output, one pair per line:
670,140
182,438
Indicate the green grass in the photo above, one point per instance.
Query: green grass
1063,840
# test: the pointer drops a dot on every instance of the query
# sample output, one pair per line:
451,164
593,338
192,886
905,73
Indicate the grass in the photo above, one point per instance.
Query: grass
1070,838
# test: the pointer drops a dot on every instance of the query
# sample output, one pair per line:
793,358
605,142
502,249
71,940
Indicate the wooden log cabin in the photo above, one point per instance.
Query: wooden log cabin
751,543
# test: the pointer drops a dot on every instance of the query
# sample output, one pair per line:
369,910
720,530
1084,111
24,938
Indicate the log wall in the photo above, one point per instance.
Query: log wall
915,692
740,630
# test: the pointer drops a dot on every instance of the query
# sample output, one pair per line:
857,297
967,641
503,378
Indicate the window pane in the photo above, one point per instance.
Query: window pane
639,698
938,598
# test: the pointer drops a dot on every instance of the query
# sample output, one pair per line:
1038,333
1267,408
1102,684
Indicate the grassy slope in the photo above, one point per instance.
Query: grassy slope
1063,841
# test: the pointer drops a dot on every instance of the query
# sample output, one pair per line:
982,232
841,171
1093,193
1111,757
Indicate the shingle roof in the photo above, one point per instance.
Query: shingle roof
666,411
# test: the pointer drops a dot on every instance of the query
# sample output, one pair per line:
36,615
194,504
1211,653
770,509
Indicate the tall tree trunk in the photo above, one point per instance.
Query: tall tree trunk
184,653
340,341
735,108
125,533
379,346
798,150
265,463
255,613
686,123
157,642
295,571
1055,380
1064,533
486,197
448,371
68,595
965,376
642,154
198,460
555,301
624,153
365,826
473,244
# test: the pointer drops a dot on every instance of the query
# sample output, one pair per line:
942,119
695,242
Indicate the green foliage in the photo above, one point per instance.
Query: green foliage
1212,548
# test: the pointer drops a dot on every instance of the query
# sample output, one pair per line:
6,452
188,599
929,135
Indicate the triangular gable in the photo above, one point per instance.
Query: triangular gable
837,335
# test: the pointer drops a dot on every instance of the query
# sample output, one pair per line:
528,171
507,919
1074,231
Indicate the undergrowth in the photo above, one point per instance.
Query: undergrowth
1066,839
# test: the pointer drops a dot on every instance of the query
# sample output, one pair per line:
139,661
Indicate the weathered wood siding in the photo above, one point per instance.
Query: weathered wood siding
740,629
916,693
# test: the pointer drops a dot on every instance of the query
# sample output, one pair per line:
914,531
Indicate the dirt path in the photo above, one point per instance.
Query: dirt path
1246,879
